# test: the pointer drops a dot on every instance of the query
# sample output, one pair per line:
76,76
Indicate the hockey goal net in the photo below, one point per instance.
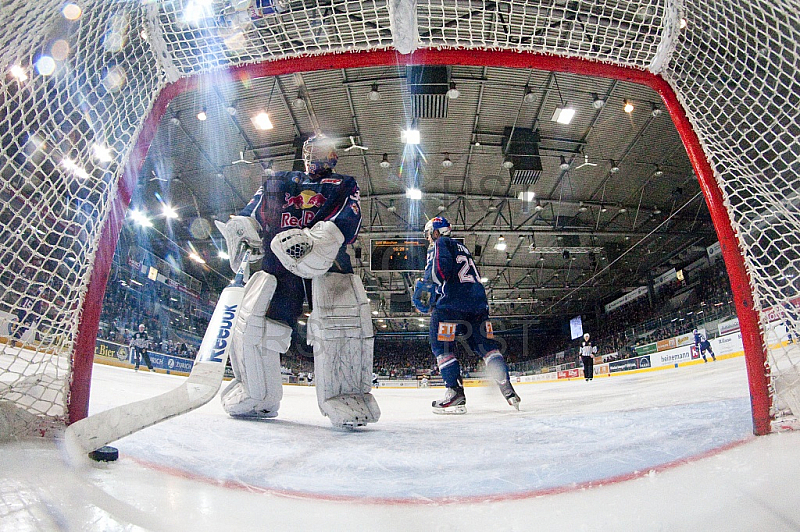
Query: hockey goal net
85,82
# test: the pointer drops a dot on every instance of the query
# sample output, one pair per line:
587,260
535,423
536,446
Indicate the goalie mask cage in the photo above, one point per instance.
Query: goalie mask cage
76,126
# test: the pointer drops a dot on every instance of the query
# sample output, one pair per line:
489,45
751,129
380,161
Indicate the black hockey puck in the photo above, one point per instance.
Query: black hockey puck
104,454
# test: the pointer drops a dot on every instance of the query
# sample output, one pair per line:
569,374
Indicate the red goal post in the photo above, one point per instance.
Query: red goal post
644,42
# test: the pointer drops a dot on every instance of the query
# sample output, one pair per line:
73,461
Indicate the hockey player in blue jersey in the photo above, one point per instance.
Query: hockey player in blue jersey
298,225
452,289
703,345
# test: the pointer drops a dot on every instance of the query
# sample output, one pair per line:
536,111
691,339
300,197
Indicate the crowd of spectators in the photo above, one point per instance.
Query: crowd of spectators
169,317
672,309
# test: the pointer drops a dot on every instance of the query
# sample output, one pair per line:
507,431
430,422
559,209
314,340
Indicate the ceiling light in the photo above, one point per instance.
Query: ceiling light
262,121
508,164
446,162
410,136
622,209
659,172
582,207
538,206
374,95
527,195
18,72
501,244
197,258
299,102
603,208
529,95
170,212
564,166
202,114
75,168
141,219
231,110
484,279
656,211
102,153
627,107
385,161
597,102
563,115
441,208
614,167
453,92
391,207
413,193
223,255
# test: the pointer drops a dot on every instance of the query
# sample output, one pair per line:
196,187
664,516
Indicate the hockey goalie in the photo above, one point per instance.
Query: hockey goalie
300,224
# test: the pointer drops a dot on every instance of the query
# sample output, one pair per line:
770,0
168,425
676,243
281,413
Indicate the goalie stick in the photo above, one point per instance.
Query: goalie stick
202,385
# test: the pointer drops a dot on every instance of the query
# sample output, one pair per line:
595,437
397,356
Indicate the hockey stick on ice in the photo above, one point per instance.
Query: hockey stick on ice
200,387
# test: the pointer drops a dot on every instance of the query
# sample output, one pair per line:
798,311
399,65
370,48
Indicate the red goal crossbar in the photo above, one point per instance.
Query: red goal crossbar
752,336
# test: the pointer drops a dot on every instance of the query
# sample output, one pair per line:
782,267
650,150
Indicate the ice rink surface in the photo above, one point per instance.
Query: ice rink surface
663,450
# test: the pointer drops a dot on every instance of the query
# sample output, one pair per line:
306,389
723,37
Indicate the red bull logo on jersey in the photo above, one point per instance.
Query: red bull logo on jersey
307,199
287,220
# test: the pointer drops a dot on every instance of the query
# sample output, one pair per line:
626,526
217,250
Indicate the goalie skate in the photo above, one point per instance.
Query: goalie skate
241,406
454,402
350,411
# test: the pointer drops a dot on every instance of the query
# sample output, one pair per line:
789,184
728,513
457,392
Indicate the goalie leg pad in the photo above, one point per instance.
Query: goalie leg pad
256,346
340,330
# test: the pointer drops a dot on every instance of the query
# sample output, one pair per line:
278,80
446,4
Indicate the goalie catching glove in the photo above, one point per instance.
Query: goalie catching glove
238,231
424,296
308,253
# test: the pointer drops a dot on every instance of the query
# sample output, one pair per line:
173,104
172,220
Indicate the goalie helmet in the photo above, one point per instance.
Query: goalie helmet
319,155
438,223
586,337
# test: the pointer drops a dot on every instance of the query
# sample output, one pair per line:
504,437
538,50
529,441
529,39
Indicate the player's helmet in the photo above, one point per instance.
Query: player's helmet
438,223
586,337
319,154
695,331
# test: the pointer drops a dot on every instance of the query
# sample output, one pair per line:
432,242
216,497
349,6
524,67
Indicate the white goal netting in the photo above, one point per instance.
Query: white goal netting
80,79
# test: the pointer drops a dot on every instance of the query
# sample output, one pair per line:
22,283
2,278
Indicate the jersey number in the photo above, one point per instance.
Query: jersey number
463,274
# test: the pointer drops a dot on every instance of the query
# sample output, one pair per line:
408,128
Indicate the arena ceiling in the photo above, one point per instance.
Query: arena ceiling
616,190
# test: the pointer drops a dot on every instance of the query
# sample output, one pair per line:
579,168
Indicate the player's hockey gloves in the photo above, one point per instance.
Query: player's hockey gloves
424,296
308,252
241,232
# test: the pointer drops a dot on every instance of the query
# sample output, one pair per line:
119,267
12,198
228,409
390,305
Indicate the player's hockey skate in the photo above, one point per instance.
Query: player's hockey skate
511,396
454,402
349,411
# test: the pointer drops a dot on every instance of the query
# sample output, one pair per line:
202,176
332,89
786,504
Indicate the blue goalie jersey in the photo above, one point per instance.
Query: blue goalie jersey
292,200
451,267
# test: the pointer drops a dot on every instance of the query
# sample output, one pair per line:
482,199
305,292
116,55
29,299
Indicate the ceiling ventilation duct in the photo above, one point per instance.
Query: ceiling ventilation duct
522,147
428,87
